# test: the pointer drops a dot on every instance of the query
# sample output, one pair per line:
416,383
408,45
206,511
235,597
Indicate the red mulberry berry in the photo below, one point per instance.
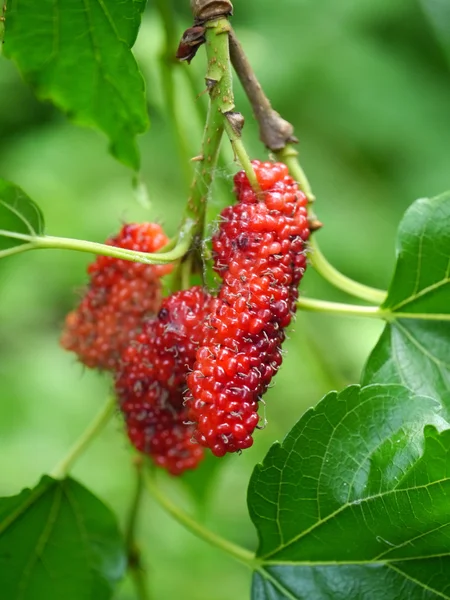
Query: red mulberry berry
151,380
163,435
259,251
121,294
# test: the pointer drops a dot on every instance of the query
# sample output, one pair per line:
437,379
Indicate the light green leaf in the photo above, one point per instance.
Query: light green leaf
78,55
355,503
415,352
18,215
59,541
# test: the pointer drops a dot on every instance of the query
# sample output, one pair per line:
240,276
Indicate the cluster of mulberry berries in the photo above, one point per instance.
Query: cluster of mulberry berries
123,325
191,369
259,252
120,296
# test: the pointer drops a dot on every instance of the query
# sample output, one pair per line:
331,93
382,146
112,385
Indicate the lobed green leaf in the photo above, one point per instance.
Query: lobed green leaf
355,503
415,352
58,540
78,55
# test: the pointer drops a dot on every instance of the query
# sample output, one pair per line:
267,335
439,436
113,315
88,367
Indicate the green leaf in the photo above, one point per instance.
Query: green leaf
18,215
78,55
414,352
59,541
355,503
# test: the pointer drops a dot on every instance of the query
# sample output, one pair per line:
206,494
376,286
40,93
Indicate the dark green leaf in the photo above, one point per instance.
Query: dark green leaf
356,501
18,214
415,352
78,55
59,541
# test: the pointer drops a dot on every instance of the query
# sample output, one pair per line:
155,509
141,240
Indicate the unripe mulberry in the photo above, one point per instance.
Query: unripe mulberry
120,296
259,251
151,380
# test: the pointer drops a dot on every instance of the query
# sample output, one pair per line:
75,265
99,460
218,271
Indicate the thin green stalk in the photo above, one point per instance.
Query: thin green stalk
337,308
135,567
219,84
237,552
93,429
201,116
59,243
371,312
341,281
16,250
205,169
290,157
241,154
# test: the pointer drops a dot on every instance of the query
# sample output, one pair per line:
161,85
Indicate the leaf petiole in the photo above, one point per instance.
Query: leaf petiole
94,428
341,281
59,243
372,312
135,567
237,552
16,250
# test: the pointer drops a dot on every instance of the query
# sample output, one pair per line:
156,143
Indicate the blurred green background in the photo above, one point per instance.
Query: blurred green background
367,86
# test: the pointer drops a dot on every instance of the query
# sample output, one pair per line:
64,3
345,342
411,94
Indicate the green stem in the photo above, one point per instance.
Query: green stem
94,428
372,312
140,584
237,552
241,154
59,243
16,250
219,84
337,308
289,156
341,281
205,168
133,552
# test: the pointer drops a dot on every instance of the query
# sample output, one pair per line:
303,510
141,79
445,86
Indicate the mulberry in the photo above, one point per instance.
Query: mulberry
120,296
259,251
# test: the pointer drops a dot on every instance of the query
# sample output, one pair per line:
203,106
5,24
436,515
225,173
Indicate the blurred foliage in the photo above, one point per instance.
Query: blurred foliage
367,86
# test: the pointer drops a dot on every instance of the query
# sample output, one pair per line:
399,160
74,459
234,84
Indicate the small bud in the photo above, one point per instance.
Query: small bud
191,41
236,121
206,10
314,224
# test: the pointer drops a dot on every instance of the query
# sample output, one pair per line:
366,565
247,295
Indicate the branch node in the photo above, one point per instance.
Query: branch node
236,120
314,224
210,84
190,42
208,10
